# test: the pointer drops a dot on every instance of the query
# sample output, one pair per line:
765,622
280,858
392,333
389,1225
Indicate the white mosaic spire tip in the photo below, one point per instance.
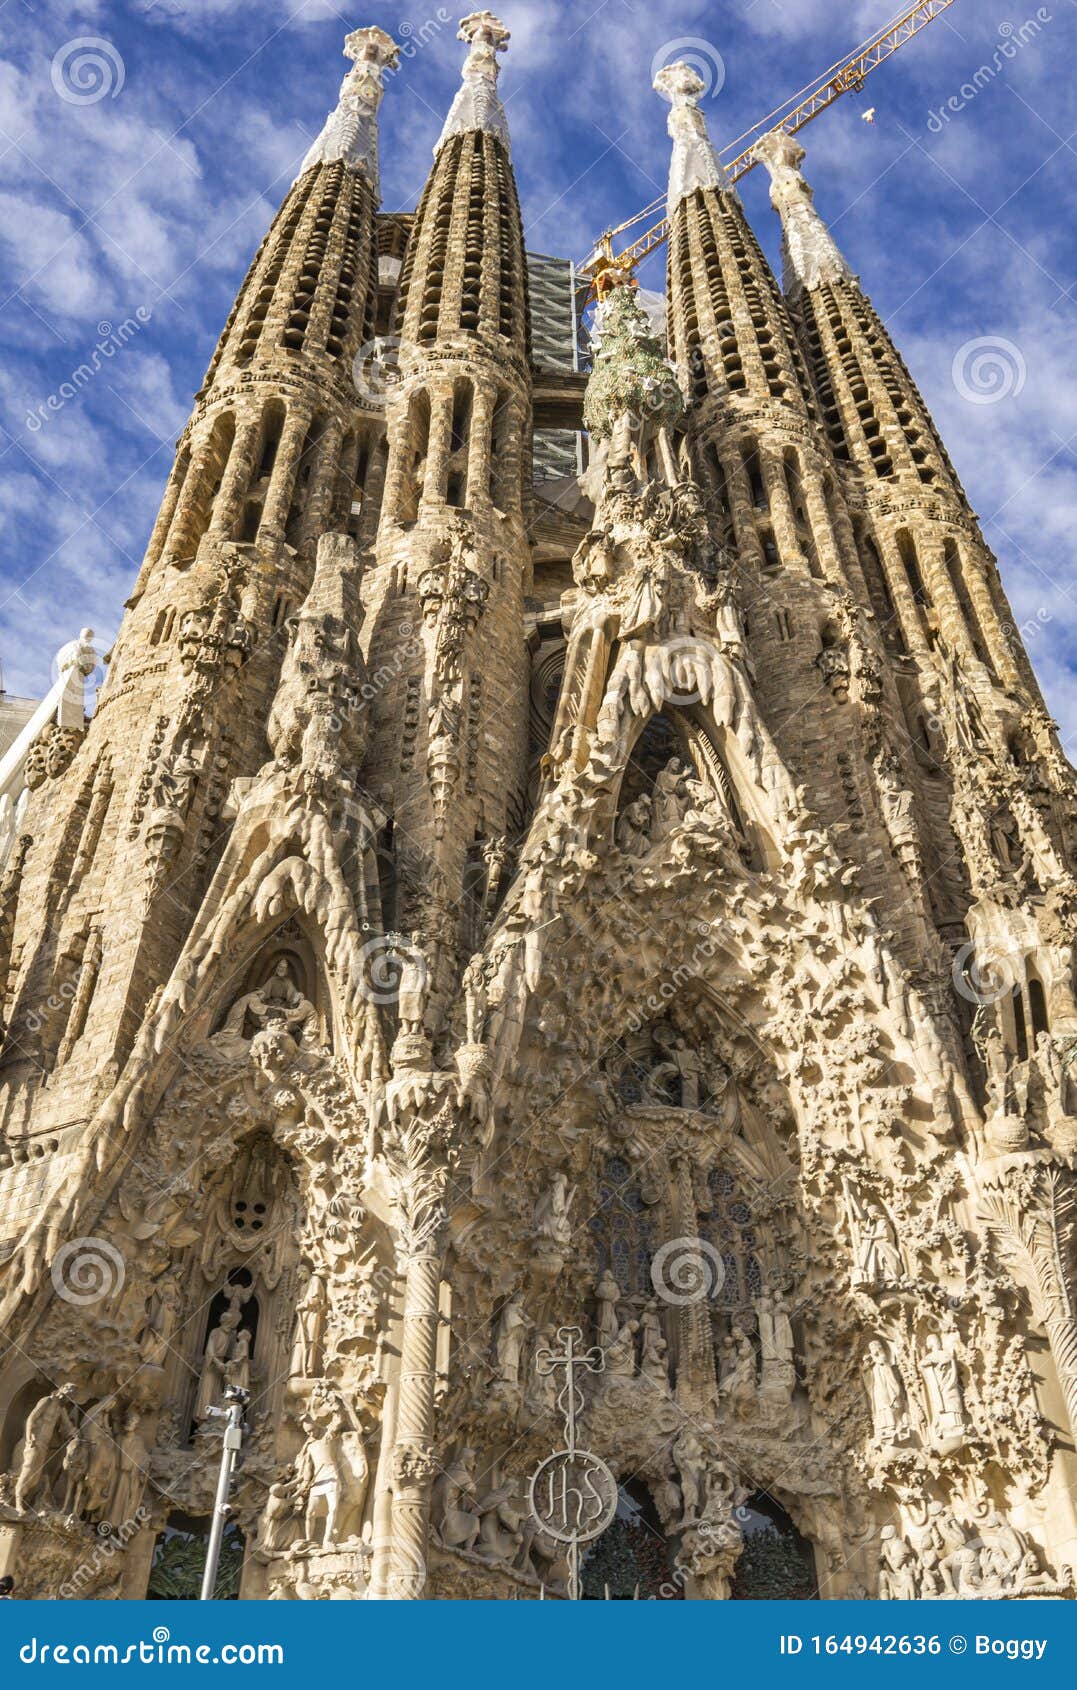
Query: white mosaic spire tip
810,255
477,105
694,164
350,132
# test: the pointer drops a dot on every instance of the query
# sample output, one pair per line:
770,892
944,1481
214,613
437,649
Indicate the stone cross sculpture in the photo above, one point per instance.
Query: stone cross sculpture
573,1494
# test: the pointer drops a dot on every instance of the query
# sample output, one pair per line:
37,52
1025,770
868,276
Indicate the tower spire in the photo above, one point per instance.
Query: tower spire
350,132
810,255
694,164
477,104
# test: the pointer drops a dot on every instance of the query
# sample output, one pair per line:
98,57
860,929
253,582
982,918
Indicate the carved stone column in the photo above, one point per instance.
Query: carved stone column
438,448
414,1466
420,1142
278,497
783,521
237,478
478,463
696,1383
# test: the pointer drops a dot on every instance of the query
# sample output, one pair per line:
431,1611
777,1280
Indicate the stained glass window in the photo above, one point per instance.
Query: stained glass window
730,1227
623,1230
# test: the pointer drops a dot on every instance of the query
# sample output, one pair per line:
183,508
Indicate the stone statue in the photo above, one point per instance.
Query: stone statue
162,1309
322,1477
1051,1072
176,779
938,1365
133,1464
672,798
685,1062
876,1255
777,1374
897,1574
689,1455
476,985
512,1330
621,1354
413,988
501,1521
551,1211
50,1425
608,1294
237,1369
998,1069
276,1529
74,1467
101,1467
634,827
310,1316
654,1351
455,1504
218,1352
887,1396
277,1005
737,1383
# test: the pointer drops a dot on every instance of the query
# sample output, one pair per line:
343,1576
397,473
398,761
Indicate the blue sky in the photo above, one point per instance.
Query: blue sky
144,206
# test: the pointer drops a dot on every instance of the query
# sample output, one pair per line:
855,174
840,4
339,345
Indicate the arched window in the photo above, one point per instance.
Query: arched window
1019,1028
776,1563
622,1229
1037,1004
730,1228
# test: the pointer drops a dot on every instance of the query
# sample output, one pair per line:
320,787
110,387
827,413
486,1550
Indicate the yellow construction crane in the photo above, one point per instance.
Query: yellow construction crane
603,268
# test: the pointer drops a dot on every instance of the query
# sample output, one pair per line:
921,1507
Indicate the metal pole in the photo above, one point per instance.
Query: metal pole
237,1400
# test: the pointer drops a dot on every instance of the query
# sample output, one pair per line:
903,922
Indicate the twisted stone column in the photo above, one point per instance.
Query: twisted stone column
413,1463
420,1147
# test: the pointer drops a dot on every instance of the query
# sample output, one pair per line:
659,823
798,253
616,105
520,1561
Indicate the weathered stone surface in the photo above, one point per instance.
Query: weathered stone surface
419,954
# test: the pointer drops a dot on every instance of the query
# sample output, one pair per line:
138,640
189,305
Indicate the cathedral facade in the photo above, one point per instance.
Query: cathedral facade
487,921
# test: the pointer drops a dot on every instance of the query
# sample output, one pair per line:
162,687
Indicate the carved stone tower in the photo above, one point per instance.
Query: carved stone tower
471,915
